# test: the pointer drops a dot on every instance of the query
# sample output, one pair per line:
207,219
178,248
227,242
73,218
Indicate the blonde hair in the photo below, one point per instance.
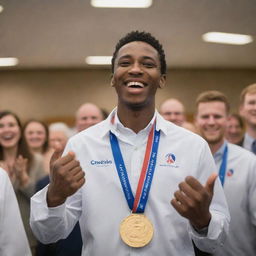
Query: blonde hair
250,89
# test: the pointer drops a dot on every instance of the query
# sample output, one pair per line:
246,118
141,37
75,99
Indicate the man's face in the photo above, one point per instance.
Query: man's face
234,131
211,121
248,109
137,75
57,140
173,111
87,116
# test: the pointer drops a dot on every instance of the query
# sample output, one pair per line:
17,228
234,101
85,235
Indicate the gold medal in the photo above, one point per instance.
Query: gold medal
136,230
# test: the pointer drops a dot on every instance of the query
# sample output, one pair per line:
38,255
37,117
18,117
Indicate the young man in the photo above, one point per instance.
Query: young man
120,156
248,112
237,171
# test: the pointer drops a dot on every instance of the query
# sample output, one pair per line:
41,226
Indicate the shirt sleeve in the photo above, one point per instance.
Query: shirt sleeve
218,228
50,224
252,189
13,240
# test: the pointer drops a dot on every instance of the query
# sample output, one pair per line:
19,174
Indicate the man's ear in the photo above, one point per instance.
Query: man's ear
162,81
112,82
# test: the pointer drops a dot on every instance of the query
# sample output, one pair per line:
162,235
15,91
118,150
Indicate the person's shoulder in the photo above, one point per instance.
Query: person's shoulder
4,181
37,157
238,151
3,174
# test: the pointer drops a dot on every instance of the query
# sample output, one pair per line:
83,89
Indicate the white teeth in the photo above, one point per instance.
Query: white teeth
135,84
7,137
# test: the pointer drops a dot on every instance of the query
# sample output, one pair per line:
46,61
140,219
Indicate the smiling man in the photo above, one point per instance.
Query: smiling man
237,171
248,112
173,110
150,185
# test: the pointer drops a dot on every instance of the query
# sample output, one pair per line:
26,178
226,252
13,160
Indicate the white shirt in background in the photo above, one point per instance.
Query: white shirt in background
240,191
13,240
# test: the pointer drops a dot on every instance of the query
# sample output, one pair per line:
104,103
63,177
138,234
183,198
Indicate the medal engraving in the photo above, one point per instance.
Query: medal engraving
136,230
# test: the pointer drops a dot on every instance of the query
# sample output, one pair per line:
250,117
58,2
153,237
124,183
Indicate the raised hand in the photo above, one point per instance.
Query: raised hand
193,200
20,169
66,177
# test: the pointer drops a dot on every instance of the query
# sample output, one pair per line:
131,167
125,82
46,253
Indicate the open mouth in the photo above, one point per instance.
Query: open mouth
8,137
135,85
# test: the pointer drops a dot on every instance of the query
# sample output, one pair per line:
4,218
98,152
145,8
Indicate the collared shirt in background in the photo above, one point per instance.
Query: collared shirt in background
240,191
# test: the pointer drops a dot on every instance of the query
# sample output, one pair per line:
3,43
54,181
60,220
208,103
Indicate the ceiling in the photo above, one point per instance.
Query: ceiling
61,33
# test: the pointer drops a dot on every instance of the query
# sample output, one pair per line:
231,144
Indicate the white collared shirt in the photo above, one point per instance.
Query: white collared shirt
240,191
100,205
13,240
247,143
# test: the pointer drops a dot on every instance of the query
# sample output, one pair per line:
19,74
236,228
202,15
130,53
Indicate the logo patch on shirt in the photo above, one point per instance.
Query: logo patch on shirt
230,172
101,163
169,161
170,158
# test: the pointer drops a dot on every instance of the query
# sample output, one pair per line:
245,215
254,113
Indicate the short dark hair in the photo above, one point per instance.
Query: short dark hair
143,37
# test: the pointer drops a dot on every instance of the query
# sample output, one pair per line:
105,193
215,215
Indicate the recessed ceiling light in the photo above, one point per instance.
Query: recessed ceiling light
121,3
1,8
7,62
98,60
227,38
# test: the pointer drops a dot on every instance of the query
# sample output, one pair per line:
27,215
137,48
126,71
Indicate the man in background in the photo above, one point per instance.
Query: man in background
237,172
87,115
173,110
248,112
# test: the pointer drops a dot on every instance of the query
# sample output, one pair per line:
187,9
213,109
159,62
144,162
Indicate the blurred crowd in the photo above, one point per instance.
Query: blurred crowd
26,150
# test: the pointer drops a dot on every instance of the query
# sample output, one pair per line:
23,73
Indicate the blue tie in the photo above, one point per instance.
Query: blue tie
254,147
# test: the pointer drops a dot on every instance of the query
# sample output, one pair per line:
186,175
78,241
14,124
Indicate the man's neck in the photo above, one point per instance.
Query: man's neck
136,120
214,147
251,130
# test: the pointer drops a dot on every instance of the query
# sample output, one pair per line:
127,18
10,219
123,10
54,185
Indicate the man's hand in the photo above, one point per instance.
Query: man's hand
193,200
66,177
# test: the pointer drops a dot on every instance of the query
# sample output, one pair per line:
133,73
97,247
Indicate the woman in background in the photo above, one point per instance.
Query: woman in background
23,168
36,134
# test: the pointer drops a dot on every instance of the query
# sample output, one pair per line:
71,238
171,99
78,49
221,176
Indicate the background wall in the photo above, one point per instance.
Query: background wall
53,95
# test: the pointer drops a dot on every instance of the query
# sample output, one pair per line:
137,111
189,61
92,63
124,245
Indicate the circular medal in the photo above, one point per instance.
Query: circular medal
136,230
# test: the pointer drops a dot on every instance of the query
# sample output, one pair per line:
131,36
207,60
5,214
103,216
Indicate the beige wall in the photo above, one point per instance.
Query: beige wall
56,94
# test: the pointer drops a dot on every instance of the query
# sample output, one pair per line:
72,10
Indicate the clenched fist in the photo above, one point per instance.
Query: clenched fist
66,177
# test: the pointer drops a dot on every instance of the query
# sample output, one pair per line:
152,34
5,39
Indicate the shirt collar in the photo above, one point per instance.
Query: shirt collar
219,154
248,140
113,124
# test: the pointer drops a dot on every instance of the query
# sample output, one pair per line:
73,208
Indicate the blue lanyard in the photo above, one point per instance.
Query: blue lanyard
122,173
223,166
